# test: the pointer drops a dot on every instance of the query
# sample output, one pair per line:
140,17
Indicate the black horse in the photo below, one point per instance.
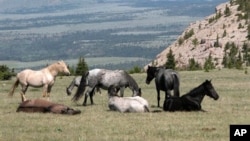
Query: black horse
165,80
192,100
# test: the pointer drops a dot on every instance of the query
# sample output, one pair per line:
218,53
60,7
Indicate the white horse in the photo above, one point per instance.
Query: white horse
42,78
126,104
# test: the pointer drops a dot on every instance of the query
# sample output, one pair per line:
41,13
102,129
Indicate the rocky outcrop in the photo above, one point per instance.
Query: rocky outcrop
209,36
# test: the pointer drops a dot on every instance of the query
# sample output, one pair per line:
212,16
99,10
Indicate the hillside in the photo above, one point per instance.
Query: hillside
64,29
219,27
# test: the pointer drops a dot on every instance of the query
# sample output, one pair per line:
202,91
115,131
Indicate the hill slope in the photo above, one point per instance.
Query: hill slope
221,27
64,29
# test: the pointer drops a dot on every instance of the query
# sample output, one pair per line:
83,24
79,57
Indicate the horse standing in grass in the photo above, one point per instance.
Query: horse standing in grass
42,78
126,104
75,83
165,80
44,106
192,100
103,78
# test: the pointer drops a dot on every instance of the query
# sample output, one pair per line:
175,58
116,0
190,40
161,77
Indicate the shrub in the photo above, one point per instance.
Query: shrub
135,69
5,73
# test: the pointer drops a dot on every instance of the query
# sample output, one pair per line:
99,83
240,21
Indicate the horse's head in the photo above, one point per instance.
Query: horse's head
210,90
62,67
68,91
150,74
112,90
137,92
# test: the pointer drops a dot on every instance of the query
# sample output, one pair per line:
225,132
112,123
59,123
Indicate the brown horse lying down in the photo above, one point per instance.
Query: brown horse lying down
44,106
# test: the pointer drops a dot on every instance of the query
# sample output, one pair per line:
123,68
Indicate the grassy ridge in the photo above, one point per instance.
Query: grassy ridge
98,123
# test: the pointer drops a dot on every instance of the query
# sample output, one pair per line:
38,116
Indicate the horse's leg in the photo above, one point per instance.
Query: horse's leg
122,91
90,92
85,99
45,90
158,97
23,91
91,96
23,97
167,94
48,92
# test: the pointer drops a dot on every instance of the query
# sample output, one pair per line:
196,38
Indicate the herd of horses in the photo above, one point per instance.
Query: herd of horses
113,81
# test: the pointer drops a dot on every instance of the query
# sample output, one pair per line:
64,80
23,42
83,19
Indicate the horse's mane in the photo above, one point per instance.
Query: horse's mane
53,66
196,90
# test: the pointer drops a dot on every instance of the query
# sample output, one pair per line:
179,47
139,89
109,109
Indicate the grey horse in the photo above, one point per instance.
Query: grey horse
103,78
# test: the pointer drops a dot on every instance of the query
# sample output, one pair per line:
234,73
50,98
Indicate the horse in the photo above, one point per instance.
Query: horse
192,100
126,104
75,83
44,106
165,80
41,78
103,78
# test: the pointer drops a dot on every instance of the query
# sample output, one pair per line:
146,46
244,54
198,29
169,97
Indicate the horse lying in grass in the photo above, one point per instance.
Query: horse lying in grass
192,100
126,104
44,106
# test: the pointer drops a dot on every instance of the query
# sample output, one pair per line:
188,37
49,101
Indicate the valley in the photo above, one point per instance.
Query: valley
95,29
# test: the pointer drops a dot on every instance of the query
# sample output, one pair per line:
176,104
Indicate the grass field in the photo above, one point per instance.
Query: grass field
98,123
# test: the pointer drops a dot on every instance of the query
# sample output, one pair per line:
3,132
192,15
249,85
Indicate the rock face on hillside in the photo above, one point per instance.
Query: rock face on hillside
205,35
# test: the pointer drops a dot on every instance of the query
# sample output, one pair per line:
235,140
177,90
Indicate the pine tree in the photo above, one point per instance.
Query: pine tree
193,65
239,62
82,67
170,64
209,65
227,11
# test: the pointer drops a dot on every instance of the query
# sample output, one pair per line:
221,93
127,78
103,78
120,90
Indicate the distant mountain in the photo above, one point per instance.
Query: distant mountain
210,36
65,29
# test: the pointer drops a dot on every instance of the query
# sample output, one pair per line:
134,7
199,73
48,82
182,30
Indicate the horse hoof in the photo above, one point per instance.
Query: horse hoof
84,104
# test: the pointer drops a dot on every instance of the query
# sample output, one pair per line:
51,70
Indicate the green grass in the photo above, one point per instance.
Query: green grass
98,123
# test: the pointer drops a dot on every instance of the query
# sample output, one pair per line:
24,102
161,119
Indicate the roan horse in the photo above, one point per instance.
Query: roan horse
44,106
103,78
165,80
192,100
75,83
126,104
42,78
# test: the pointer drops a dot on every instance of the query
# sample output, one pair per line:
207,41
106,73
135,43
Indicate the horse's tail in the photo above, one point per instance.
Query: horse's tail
15,85
81,87
176,85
